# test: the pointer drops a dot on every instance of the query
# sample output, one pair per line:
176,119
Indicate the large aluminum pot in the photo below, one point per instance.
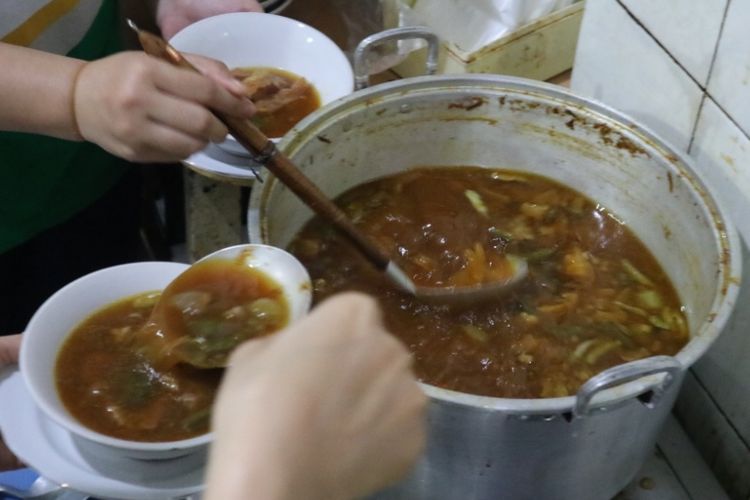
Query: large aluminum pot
581,447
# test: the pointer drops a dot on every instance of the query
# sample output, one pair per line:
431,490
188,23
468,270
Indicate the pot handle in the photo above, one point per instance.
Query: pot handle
624,373
361,73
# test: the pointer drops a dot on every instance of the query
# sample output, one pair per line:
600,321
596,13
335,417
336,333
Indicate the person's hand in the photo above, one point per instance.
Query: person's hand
143,109
326,409
173,15
9,347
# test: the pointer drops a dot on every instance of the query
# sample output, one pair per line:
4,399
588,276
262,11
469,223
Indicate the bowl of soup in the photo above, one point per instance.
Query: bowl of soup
289,68
112,290
128,359
633,271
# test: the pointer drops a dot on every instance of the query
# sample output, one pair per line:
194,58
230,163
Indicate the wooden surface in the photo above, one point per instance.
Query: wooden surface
562,79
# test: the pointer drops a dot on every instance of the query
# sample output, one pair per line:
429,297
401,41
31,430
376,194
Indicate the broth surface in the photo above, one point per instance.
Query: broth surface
108,384
122,375
594,297
207,312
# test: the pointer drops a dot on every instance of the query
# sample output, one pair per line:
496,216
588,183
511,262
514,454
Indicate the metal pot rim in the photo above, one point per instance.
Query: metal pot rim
723,229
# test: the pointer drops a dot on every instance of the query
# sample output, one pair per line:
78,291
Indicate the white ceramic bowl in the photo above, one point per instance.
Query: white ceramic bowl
247,39
70,305
58,316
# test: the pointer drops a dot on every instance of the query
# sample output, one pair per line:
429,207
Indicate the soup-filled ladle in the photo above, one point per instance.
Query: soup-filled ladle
264,151
225,298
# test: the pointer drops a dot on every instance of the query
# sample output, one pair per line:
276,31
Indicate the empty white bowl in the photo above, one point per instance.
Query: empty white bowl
69,306
251,39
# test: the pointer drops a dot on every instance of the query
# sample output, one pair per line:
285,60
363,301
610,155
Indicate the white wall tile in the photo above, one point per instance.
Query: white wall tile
713,435
687,463
618,63
729,83
722,155
688,29
724,370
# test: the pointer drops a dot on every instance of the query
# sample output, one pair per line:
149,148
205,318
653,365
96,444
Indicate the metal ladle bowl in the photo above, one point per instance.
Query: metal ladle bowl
278,265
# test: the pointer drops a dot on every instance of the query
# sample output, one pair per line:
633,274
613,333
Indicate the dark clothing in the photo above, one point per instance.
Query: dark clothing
66,208
104,234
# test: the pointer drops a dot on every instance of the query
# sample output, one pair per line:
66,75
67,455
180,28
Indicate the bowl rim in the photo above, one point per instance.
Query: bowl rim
64,418
275,18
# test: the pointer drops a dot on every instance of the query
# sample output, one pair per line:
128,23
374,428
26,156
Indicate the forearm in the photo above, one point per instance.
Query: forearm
232,474
265,452
37,92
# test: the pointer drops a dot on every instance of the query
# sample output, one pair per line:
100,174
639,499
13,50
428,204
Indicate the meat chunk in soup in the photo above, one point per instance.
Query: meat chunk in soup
281,98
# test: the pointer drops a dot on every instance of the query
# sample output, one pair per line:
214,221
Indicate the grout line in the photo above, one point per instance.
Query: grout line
729,117
688,464
726,113
697,120
716,47
704,88
658,42
707,96
675,473
720,410
708,81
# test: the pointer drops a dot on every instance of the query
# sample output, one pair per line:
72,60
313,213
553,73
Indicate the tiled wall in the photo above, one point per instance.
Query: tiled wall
682,67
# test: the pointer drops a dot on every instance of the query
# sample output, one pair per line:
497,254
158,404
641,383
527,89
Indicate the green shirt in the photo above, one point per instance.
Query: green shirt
44,181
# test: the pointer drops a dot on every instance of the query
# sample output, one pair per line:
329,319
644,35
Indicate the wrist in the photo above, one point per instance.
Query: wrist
63,121
37,101
279,460
250,472
75,126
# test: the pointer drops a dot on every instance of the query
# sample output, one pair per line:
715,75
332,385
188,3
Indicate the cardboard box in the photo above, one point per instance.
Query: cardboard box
539,50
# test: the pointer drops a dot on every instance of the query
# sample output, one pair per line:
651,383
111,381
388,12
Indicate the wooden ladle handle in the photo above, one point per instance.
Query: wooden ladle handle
265,152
